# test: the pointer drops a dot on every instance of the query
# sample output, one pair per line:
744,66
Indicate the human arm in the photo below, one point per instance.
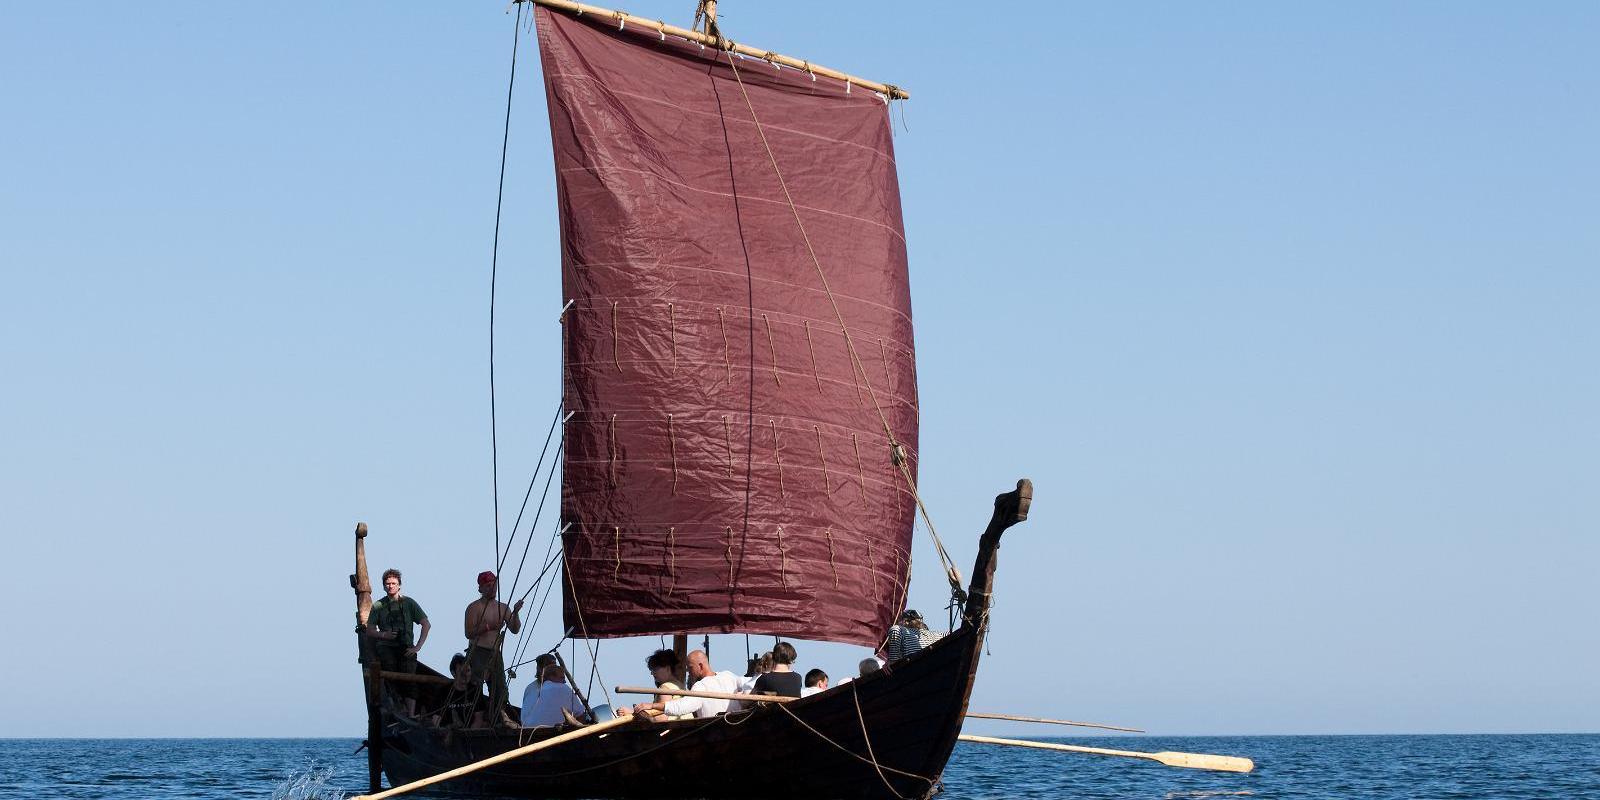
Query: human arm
514,622
681,706
373,630
648,710
414,649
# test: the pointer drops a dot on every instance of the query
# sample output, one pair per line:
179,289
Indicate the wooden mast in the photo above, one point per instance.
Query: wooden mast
371,672
708,12
680,650
715,39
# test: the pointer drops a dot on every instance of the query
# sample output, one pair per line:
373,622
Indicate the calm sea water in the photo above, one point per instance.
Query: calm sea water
1544,767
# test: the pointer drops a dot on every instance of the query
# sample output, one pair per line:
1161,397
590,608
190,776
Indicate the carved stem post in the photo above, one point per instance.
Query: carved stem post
371,672
1009,509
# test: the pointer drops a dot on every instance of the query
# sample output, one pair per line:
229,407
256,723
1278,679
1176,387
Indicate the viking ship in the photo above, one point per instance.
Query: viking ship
739,426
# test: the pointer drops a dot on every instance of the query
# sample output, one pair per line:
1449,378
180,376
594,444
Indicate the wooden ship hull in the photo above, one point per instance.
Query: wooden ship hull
887,735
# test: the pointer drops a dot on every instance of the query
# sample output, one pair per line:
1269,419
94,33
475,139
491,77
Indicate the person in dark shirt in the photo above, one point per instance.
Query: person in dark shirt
390,625
782,680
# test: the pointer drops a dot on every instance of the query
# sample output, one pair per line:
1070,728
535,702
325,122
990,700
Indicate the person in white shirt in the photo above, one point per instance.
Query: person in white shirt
543,701
705,680
816,681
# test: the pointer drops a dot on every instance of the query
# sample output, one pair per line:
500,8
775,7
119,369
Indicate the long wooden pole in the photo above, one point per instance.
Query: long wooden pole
748,698
623,18
979,715
1171,759
406,677
680,652
571,681
498,759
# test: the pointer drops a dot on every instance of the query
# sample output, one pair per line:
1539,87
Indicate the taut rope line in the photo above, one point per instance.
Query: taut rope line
896,450
494,269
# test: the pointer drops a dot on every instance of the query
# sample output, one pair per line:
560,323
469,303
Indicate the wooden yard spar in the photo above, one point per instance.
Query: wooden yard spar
714,39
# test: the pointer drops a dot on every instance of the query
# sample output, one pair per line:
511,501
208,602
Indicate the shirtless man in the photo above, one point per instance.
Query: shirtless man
484,619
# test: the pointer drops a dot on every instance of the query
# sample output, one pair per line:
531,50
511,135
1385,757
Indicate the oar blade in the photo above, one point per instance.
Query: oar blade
1204,761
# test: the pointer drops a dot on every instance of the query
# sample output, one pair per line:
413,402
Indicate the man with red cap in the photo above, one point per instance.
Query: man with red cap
485,618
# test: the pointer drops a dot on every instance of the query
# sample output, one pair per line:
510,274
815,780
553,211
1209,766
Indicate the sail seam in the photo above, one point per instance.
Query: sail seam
876,482
691,187
890,399
576,77
644,299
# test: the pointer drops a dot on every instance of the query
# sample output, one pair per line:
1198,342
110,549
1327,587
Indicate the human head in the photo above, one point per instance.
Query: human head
817,679
456,662
699,664
783,653
394,590
765,662
486,583
542,663
553,672
911,619
869,666
663,665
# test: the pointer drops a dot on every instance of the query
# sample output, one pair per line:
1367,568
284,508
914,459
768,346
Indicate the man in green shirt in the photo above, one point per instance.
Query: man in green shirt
390,625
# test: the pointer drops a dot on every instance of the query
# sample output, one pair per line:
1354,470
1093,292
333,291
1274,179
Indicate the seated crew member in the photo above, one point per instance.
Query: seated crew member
462,710
705,680
663,666
816,681
540,664
544,700
757,666
782,680
908,636
390,623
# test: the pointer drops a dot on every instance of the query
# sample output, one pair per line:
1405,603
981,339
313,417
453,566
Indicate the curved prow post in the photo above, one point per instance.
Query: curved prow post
1009,509
371,673
360,581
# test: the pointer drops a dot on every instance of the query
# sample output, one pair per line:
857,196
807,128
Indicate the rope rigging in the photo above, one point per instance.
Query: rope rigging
494,270
897,453
502,555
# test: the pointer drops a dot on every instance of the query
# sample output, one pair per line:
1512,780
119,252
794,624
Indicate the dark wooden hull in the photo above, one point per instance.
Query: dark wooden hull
813,748
887,735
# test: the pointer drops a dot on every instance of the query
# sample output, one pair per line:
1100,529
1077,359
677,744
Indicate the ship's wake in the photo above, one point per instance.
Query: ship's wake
309,784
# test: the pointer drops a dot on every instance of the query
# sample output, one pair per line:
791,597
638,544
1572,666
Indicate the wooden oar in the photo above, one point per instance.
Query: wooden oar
980,715
1171,759
492,760
748,698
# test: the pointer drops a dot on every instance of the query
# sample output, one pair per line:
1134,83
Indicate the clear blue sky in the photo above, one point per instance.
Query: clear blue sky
1290,313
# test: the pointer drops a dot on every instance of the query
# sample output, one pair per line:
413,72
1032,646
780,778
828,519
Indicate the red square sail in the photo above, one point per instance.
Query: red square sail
727,465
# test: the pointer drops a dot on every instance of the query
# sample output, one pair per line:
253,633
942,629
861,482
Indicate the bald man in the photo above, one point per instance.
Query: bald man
705,680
